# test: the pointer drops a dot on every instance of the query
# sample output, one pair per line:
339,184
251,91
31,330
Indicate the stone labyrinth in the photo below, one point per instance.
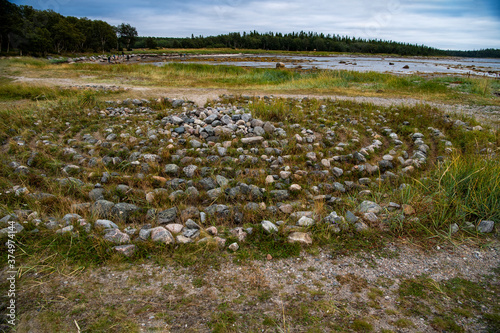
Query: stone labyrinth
186,174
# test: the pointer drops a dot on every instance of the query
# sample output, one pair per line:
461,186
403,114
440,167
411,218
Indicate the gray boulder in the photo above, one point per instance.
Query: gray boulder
123,210
102,208
107,224
161,235
167,216
117,237
486,226
269,226
369,207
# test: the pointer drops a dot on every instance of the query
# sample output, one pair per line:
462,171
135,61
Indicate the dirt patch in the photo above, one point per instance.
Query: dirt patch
294,295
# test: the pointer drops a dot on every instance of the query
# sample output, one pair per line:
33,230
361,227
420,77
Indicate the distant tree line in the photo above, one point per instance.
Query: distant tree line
42,32
306,41
486,53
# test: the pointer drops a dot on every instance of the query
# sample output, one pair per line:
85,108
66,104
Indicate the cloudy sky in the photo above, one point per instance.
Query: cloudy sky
445,24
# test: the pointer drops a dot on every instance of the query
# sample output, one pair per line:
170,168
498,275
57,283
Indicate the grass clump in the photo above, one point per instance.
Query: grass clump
472,186
360,325
16,91
425,297
462,190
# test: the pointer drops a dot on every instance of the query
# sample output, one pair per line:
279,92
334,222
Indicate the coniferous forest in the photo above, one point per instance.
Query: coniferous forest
29,31
307,41
41,32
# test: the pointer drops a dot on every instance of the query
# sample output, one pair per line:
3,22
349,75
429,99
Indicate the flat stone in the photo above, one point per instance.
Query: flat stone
338,187
360,226
239,233
408,210
369,207
333,218
252,140
160,179
191,233
298,215
97,194
167,216
234,247
393,206
180,130
269,226
192,192
161,235
176,195
215,193
295,188
102,208
268,127
305,221
300,237
177,120
222,181
207,183
337,172
69,218
145,232
181,239
350,217
123,210
280,195
364,181
65,229
221,242
127,250
486,226
171,169
287,208
190,170
117,237
107,224
190,224
259,131
190,212
174,228
388,157
212,231
195,143
370,217
311,156
285,174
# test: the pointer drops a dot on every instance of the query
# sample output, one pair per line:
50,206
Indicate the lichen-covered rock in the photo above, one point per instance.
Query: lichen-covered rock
117,237
369,207
300,237
161,235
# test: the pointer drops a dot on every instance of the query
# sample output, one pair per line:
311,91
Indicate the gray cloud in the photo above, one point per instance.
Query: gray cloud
447,24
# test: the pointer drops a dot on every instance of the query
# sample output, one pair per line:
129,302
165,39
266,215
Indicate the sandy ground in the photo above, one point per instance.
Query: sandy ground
336,289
